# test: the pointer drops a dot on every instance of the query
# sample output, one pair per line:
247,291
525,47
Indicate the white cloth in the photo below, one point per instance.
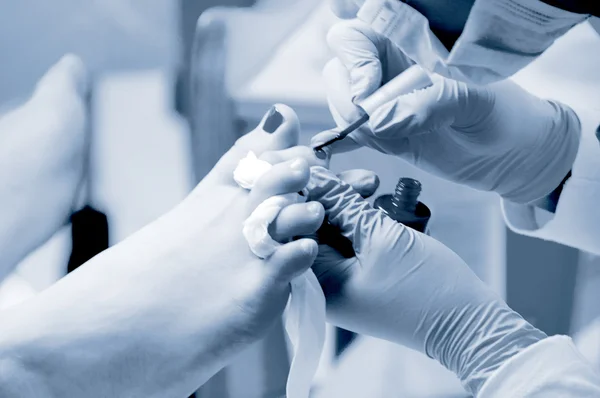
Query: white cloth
256,227
305,313
576,222
551,368
500,36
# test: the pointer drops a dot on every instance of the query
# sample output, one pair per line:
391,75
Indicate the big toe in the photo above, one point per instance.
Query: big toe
279,129
67,76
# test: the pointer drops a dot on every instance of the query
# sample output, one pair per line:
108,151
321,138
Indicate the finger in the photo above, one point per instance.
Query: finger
279,129
421,111
303,152
332,270
297,220
292,259
343,110
337,86
282,178
371,58
345,209
348,144
394,61
364,182
67,76
345,8
359,49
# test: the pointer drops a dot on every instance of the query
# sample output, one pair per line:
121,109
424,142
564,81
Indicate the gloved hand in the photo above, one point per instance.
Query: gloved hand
496,138
406,287
41,160
345,8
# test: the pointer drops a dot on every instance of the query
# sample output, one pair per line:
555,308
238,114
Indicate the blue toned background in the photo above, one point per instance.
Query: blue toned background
147,156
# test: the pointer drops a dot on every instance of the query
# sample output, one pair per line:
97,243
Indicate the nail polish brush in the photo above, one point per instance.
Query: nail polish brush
413,78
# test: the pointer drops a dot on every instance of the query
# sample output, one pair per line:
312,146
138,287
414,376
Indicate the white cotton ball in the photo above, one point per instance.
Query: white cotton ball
249,170
256,227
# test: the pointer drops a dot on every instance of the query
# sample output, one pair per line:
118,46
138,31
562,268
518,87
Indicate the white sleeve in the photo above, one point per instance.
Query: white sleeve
595,22
551,368
576,222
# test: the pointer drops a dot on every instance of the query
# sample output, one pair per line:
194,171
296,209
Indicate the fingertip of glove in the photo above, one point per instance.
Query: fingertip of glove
319,176
343,9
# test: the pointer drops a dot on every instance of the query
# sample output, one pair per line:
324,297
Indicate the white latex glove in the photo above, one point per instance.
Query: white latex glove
495,138
41,161
345,8
162,311
406,287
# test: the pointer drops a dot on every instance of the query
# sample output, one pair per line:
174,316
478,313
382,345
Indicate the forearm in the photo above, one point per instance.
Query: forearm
110,329
502,335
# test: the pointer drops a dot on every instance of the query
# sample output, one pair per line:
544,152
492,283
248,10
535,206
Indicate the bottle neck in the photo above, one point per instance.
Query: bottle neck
406,195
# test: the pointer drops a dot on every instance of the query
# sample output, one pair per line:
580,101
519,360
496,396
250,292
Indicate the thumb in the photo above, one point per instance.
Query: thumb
370,58
355,44
67,76
421,111
339,97
292,259
347,210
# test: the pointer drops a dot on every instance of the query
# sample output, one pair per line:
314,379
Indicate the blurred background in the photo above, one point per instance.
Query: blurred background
176,82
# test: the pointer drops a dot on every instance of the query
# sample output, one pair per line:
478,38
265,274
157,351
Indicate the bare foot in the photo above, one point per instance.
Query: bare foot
41,159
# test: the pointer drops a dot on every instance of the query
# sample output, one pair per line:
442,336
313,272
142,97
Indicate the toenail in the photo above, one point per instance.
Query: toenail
273,120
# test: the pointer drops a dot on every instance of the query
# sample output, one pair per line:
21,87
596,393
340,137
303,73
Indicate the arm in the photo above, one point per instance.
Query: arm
552,368
406,287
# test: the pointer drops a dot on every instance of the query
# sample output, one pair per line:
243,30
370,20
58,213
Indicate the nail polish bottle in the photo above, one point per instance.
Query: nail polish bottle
404,206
